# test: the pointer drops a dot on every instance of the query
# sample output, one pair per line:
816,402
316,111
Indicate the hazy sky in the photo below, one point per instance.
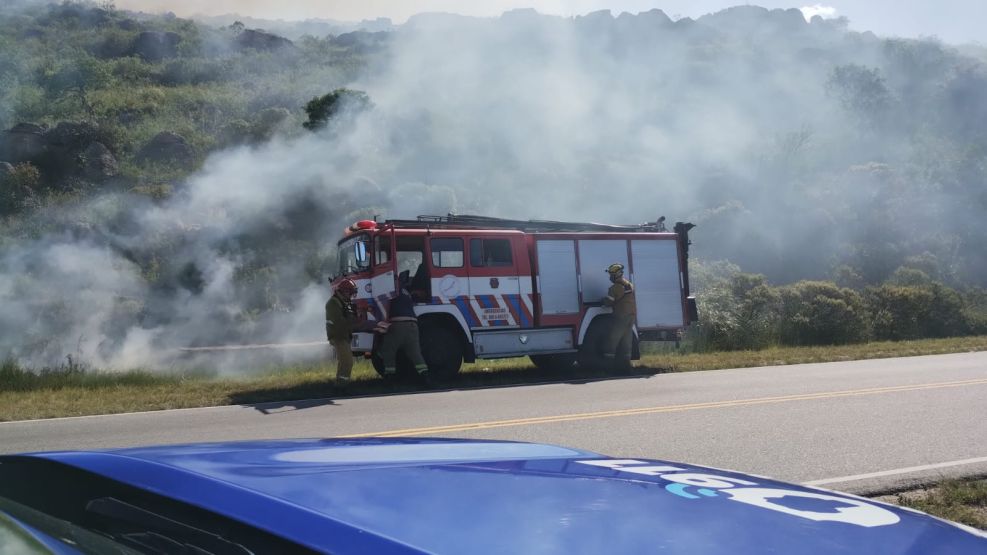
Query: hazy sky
950,20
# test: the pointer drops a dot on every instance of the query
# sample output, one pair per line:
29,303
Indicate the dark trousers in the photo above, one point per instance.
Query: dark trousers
401,337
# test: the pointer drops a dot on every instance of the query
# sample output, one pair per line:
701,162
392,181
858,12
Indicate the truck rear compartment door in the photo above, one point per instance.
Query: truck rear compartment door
558,285
595,255
657,283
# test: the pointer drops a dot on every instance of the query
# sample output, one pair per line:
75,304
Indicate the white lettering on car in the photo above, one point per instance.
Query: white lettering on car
845,509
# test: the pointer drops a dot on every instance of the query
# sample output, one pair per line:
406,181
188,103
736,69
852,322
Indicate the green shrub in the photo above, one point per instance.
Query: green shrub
917,311
820,313
897,311
323,109
739,312
19,188
193,71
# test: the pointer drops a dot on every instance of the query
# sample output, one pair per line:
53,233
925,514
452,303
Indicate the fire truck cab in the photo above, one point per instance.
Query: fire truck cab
495,288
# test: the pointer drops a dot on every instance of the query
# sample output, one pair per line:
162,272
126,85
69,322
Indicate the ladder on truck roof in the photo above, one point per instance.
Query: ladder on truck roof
469,221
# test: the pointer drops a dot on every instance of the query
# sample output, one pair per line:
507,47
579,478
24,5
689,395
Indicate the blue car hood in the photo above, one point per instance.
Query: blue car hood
464,496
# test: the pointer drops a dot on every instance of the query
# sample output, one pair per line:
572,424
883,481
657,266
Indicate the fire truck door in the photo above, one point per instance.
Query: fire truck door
495,288
382,285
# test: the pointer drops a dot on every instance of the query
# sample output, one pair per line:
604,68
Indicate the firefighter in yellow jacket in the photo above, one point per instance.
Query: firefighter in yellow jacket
340,324
620,296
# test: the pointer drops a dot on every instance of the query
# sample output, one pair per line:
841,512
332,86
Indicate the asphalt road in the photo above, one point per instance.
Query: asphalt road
861,426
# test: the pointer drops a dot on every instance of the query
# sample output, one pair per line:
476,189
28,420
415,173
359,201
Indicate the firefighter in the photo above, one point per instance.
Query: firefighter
620,296
340,323
401,333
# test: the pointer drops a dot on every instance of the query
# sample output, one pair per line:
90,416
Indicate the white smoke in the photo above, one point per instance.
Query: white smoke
597,118
825,12
525,116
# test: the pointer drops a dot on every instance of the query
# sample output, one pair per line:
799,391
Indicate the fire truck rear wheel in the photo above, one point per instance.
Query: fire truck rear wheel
443,348
594,343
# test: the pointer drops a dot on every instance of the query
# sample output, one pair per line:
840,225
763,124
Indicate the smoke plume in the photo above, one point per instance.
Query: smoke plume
736,122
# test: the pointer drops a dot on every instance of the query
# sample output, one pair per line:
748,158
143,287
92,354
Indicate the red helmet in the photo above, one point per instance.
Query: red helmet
347,286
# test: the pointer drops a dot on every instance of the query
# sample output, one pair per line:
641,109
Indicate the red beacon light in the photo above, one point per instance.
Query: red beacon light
363,225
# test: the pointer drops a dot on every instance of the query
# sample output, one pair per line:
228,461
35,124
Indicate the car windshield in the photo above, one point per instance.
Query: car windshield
97,515
353,255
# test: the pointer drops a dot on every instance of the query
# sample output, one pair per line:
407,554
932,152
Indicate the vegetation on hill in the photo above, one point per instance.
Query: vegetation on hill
166,183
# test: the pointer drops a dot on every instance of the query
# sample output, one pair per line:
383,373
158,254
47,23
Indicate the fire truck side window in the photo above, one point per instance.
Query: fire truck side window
490,252
383,249
410,257
447,252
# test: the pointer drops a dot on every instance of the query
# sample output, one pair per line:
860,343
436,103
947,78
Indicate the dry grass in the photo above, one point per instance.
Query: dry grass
73,390
963,501
776,356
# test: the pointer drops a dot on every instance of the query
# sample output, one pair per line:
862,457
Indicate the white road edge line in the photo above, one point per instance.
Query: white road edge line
894,472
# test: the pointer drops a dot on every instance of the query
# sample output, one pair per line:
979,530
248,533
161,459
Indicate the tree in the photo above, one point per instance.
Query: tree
861,91
76,79
321,110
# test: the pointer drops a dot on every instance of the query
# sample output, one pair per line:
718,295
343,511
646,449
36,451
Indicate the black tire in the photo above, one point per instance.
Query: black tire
560,362
443,348
590,355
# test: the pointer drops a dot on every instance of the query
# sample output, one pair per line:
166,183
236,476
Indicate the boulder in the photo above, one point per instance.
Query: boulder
260,40
633,29
154,46
748,19
128,24
23,142
97,163
654,18
166,147
6,168
69,137
70,150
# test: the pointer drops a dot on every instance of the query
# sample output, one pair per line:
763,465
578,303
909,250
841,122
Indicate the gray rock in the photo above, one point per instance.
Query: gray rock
6,168
128,25
70,136
260,40
97,163
154,46
166,147
23,142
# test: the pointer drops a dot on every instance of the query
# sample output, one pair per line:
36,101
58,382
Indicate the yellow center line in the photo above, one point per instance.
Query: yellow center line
668,408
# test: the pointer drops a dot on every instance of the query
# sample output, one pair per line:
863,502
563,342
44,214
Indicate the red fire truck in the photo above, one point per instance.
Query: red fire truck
495,288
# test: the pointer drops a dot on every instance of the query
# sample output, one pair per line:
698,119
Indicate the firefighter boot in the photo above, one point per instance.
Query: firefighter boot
622,366
425,377
341,383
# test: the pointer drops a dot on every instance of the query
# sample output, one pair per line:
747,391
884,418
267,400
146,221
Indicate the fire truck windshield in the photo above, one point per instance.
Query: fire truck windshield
353,255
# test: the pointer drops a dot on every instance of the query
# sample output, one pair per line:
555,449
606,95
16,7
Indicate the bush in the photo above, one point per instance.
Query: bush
738,313
917,311
820,313
898,311
19,188
193,71
325,108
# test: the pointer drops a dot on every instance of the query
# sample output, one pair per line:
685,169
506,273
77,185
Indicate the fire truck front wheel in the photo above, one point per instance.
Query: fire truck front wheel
443,347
